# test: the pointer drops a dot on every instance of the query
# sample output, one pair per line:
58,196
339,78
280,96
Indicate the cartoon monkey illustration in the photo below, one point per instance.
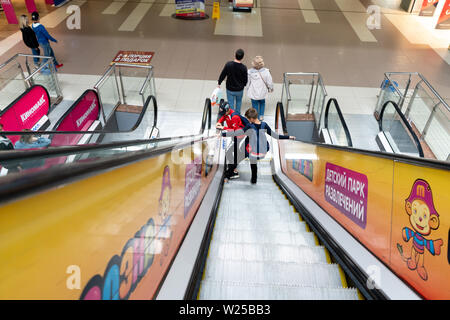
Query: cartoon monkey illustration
165,232
423,218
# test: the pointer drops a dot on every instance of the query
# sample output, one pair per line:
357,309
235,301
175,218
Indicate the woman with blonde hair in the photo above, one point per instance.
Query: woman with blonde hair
29,37
259,85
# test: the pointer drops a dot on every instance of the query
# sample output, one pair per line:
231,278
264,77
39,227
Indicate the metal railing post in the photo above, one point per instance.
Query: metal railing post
427,125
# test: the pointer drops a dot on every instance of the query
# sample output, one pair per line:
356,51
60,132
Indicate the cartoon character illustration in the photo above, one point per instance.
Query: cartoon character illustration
423,218
165,232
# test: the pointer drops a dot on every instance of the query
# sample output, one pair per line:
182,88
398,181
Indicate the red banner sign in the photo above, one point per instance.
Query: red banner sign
134,57
428,7
26,111
444,18
9,11
78,118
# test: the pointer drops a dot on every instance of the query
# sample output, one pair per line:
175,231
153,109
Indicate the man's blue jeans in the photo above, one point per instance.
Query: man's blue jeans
48,51
259,105
36,52
235,96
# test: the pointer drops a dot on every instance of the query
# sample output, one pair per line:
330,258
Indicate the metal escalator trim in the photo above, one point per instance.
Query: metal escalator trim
15,185
193,291
342,258
405,123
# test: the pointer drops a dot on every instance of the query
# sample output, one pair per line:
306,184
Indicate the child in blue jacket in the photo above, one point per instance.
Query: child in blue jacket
256,145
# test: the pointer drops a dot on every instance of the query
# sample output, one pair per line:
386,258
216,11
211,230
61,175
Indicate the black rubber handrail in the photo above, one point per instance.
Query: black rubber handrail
279,112
12,186
206,117
341,118
405,123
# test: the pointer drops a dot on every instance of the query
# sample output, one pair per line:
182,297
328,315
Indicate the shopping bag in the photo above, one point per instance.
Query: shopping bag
216,96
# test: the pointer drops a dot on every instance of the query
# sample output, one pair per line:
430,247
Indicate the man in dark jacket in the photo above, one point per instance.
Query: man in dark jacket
29,38
236,74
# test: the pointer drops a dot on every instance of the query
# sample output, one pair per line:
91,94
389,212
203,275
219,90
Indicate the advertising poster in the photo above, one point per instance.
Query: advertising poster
26,111
31,6
190,8
444,17
126,225
428,7
9,11
396,210
78,118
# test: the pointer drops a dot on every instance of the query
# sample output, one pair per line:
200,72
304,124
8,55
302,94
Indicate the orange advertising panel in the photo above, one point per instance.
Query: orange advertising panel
354,190
420,229
109,236
395,210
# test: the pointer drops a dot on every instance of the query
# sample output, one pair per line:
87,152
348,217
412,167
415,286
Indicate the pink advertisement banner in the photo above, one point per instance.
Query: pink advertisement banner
31,6
26,111
347,191
78,118
9,11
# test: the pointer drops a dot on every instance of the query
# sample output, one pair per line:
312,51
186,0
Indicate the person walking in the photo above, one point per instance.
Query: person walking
43,38
259,85
236,74
29,38
255,146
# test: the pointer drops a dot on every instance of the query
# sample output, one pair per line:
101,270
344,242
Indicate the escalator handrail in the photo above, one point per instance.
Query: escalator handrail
15,185
75,149
341,118
279,111
206,116
405,122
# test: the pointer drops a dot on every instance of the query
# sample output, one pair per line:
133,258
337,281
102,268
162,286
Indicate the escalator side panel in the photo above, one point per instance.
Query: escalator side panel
112,235
371,197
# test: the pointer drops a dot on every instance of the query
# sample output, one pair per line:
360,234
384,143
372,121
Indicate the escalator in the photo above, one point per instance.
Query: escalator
153,219
266,252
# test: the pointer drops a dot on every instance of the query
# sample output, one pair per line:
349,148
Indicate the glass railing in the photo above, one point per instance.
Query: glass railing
12,83
424,109
398,132
303,93
335,124
19,73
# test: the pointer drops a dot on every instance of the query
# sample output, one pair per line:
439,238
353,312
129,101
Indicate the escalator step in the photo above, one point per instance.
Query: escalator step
266,252
222,290
244,236
273,273
258,225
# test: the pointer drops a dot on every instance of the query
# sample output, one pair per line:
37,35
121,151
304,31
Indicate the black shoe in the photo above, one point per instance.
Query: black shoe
234,175
253,181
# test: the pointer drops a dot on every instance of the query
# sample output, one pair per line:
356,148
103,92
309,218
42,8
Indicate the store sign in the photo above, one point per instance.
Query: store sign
9,11
190,8
134,57
347,191
428,7
444,17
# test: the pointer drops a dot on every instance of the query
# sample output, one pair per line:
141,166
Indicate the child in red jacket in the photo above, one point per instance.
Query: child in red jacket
234,121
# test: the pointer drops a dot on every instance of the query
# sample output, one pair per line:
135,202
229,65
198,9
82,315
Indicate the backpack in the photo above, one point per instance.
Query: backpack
257,146
5,143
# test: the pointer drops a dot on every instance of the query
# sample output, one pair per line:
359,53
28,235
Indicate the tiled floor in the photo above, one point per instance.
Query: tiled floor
285,32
